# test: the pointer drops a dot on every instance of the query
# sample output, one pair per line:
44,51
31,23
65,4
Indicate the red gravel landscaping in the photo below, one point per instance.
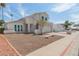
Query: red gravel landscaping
5,48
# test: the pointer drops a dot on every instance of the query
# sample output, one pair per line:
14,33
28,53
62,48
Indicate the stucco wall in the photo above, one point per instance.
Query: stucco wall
9,27
58,27
32,19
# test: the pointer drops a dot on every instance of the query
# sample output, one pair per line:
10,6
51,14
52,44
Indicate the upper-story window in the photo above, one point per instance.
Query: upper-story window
46,18
42,17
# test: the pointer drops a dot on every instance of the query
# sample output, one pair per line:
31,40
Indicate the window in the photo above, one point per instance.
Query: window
21,27
15,28
42,17
18,28
46,18
37,26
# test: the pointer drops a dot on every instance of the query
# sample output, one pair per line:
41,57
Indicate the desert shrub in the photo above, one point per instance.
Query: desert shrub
1,30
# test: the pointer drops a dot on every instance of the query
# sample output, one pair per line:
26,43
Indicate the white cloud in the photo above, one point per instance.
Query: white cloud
8,12
74,18
21,10
62,7
7,15
57,22
8,9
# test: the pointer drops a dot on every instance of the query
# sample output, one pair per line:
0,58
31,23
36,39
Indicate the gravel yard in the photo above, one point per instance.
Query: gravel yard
27,43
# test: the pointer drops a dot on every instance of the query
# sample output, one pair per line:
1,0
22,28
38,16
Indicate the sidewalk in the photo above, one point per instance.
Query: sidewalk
64,46
5,48
58,33
74,49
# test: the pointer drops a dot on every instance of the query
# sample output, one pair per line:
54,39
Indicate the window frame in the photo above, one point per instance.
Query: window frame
42,17
15,27
46,18
21,28
18,28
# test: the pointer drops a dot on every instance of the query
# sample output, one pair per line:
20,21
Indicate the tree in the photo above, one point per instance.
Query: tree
11,16
1,22
2,5
42,22
1,26
67,24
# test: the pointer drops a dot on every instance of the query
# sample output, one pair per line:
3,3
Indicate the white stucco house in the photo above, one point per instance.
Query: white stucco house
28,24
75,27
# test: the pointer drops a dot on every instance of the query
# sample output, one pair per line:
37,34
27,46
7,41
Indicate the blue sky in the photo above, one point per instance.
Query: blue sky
58,12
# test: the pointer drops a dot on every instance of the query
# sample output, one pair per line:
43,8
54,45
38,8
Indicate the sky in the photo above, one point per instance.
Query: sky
58,12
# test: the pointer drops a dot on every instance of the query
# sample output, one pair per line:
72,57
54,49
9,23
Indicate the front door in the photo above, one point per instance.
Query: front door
31,28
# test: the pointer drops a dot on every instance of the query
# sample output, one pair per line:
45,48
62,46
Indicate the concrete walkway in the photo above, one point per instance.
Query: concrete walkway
74,48
53,33
64,46
5,48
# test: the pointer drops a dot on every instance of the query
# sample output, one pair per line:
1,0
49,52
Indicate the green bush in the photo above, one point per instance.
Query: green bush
1,30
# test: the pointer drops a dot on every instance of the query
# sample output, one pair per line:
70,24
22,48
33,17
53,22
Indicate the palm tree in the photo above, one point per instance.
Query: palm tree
1,26
11,16
42,22
2,5
1,22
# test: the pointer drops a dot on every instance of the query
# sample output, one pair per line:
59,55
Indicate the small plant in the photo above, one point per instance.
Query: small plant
54,30
1,30
1,26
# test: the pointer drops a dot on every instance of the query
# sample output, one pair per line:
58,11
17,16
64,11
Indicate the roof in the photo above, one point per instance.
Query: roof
22,19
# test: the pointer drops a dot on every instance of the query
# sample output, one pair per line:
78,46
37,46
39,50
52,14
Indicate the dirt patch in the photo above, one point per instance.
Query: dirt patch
27,43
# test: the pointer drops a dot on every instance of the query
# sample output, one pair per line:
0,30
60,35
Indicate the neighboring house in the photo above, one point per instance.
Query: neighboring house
75,27
27,24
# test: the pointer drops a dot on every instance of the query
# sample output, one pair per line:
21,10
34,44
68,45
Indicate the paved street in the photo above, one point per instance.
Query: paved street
5,48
